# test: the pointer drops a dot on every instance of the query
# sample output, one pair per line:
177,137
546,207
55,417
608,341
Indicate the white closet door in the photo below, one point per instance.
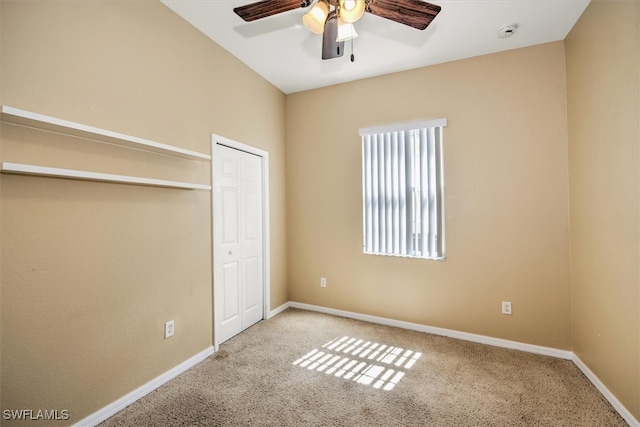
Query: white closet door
238,257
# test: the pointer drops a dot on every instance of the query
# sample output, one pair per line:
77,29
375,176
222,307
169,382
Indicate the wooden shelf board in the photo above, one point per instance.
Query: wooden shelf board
40,121
22,169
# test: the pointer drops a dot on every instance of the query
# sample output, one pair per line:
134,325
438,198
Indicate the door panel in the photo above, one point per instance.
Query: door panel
253,215
238,246
229,216
231,292
252,240
252,283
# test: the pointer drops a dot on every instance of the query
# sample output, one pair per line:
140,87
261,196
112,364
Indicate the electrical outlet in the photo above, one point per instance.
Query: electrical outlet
323,282
169,329
506,307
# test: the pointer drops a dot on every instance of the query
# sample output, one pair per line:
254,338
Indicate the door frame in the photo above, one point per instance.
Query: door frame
266,254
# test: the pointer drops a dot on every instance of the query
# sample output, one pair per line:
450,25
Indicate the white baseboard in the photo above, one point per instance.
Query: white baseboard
278,310
115,407
482,339
617,405
497,342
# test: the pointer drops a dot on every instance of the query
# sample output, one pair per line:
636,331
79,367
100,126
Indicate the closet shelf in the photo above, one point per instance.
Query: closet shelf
40,121
21,169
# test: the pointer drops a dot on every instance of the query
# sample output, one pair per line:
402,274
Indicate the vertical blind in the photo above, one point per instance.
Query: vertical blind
403,190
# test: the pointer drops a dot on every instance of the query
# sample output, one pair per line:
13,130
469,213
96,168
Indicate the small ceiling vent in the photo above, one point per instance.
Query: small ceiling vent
507,31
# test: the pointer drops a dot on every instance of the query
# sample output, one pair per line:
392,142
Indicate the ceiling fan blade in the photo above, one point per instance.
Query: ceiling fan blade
330,47
414,13
262,9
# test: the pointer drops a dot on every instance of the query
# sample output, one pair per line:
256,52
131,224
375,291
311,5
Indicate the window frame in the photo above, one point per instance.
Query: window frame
371,215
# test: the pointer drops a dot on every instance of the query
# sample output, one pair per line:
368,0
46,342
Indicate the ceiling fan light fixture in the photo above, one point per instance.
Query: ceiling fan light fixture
325,15
346,31
314,20
351,10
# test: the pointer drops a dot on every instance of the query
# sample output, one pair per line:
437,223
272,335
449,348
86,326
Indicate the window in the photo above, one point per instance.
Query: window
402,188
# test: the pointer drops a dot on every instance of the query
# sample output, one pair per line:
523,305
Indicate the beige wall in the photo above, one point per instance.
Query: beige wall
506,189
91,271
603,74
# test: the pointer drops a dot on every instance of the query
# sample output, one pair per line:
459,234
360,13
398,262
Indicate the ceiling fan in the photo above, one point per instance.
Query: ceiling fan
334,19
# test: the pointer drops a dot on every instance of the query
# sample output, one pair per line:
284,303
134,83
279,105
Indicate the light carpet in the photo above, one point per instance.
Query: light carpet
304,368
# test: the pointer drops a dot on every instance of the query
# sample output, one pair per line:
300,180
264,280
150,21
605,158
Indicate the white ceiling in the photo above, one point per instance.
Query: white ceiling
284,52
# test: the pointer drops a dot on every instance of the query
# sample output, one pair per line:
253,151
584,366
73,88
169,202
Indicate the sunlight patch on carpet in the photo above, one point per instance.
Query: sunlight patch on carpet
369,363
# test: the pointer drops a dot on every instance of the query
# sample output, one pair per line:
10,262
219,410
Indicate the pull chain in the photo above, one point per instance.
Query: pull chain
353,58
